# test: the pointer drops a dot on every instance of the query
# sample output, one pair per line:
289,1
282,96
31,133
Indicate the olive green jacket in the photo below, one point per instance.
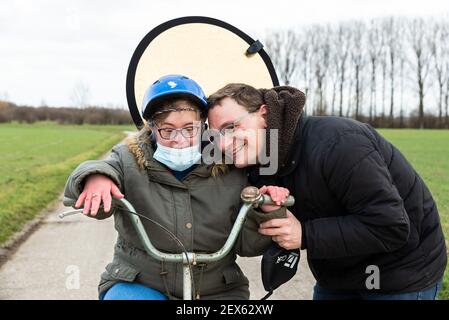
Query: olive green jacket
199,210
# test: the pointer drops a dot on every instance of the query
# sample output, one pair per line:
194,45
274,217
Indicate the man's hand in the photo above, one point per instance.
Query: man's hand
98,188
285,231
277,194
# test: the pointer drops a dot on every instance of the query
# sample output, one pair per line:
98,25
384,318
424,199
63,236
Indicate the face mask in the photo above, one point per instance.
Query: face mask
278,266
177,159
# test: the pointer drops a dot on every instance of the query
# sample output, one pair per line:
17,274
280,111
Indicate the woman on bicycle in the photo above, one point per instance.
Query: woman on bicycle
160,173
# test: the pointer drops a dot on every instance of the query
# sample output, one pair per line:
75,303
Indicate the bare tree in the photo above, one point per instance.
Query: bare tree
401,76
333,74
350,98
320,47
282,46
384,65
80,95
392,56
439,48
342,53
393,48
374,51
304,57
418,35
358,60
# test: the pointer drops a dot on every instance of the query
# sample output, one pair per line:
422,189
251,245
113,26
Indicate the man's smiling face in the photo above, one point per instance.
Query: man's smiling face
243,135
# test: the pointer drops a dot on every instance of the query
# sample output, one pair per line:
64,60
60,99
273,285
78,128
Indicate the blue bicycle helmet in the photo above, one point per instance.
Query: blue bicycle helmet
173,85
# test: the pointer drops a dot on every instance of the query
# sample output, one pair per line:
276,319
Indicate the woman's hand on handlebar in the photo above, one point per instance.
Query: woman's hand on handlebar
98,189
277,194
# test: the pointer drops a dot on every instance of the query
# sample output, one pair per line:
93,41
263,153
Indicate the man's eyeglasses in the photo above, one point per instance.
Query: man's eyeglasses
229,128
172,133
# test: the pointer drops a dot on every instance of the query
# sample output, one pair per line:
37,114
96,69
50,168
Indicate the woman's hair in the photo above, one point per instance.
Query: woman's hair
172,105
245,95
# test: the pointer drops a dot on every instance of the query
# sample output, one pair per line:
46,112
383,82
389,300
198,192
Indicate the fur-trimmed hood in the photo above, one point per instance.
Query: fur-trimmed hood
136,144
285,106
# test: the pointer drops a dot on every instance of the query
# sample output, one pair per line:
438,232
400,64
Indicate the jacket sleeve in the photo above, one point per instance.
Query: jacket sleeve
250,242
111,167
375,219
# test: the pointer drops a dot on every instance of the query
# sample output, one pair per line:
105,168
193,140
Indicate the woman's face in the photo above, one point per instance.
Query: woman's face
168,136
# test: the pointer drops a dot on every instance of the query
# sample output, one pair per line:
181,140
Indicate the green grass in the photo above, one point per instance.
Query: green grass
428,151
35,161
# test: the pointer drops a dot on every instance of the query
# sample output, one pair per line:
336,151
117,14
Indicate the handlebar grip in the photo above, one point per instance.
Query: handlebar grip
266,199
289,201
252,195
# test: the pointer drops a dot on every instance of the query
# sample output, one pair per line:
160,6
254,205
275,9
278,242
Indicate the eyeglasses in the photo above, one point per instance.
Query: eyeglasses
172,133
229,129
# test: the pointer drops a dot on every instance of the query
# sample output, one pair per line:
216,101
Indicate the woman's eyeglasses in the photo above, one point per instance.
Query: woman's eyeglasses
172,133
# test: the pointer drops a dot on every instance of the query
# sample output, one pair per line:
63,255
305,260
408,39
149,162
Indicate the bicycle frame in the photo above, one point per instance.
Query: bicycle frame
251,198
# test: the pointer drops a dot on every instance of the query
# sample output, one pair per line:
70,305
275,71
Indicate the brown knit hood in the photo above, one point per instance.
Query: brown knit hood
285,106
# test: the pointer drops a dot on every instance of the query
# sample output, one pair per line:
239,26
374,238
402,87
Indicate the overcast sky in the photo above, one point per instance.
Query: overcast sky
48,47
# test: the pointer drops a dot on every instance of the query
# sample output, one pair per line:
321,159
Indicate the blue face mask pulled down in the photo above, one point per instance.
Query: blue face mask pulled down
177,159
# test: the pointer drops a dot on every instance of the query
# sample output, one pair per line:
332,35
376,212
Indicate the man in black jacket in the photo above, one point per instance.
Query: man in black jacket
369,223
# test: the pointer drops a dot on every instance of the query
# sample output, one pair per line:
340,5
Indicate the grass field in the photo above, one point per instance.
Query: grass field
35,161
428,151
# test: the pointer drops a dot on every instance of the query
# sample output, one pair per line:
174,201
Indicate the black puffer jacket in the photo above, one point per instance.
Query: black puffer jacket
360,203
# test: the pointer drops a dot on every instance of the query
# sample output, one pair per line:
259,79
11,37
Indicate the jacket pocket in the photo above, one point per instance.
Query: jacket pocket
115,272
233,275
123,272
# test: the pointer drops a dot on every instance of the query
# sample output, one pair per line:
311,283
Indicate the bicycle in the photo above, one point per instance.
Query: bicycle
250,196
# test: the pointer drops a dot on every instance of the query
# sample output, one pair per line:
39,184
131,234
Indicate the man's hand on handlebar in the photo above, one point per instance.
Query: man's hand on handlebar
98,189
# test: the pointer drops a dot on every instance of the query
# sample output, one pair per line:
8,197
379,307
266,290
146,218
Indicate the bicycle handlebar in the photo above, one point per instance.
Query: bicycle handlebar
250,196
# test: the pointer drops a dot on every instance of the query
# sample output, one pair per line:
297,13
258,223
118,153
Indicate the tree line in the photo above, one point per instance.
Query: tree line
89,115
390,72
